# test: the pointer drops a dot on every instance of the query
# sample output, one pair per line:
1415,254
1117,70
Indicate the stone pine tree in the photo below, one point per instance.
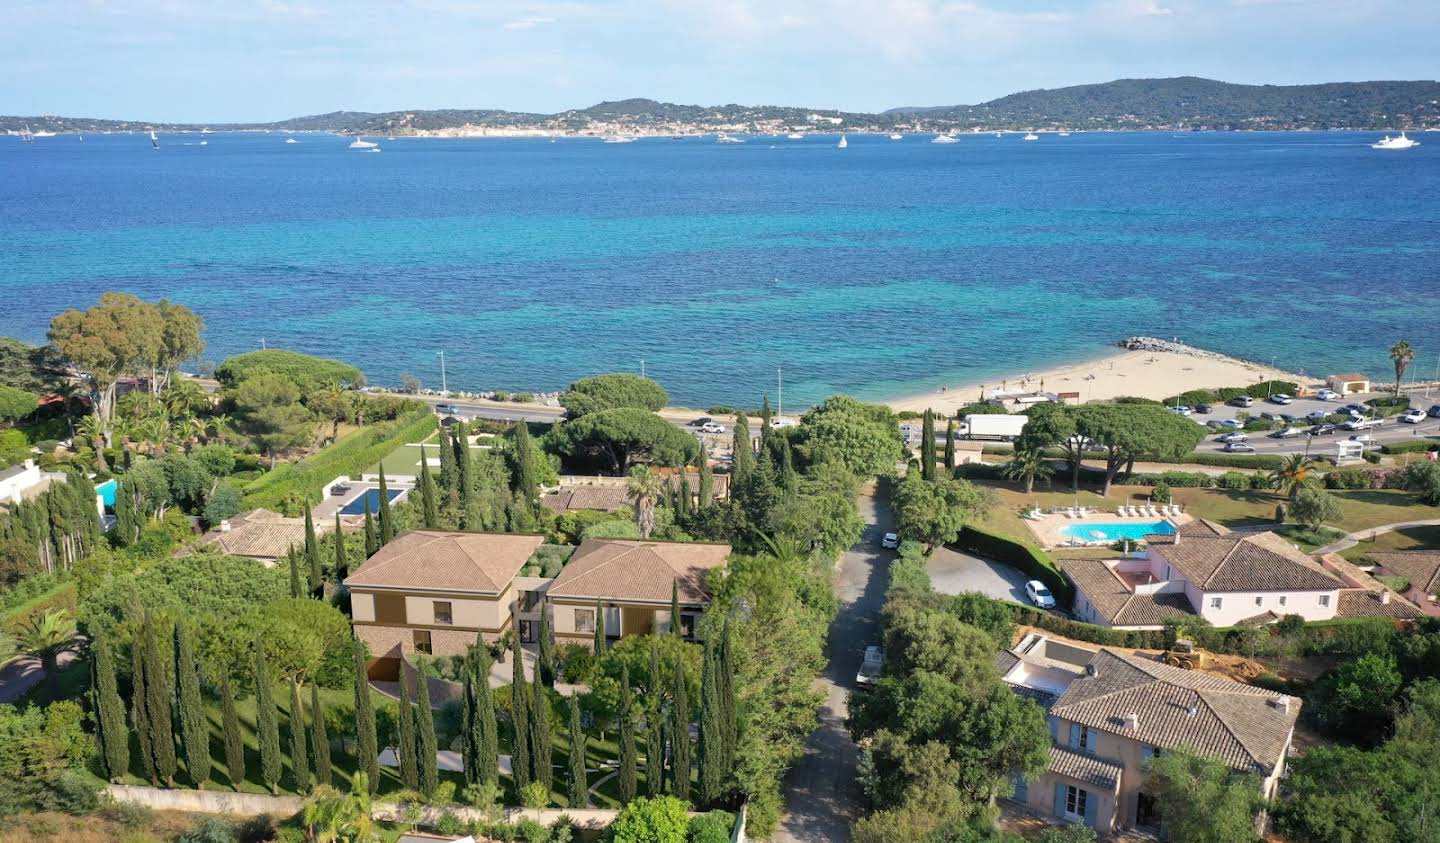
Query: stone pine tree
234,741
680,737
387,520
299,761
139,720
429,506
525,474
267,723
319,739
109,709
425,729
599,645
675,628
729,714
519,717
409,764
545,647
312,554
541,753
158,709
579,790
372,540
744,454
951,431
194,725
709,749
296,589
927,446
342,565
486,737
628,785
707,482
367,744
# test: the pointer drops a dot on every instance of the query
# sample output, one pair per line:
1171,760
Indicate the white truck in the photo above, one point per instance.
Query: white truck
871,667
1003,426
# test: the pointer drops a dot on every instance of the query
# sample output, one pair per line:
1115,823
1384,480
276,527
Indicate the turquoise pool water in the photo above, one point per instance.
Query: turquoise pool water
106,491
357,506
1114,531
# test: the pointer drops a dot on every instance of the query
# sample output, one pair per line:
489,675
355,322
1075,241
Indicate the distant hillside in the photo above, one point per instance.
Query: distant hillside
1186,102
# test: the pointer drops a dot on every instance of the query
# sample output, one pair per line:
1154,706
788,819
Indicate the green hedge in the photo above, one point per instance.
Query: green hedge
1264,462
1033,561
284,488
909,571
1409,446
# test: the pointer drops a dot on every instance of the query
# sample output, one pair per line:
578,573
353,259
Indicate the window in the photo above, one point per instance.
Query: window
1325,600
442,612
1259,601
1075,801
1282,600
529,601
1081,738
688,620
422,641
584,620
1215,602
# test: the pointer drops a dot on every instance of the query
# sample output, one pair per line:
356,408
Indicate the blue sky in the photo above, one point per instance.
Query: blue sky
216,60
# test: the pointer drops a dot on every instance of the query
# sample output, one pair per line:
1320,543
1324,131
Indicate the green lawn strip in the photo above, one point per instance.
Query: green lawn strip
60,596
1411,538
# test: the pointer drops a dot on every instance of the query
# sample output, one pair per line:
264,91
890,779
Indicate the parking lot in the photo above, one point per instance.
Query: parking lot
952,572
1390,429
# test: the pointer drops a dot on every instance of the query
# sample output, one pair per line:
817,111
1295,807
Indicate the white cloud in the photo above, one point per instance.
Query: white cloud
527,23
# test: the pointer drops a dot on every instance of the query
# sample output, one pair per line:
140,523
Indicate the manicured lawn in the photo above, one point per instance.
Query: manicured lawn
405,460
1414,538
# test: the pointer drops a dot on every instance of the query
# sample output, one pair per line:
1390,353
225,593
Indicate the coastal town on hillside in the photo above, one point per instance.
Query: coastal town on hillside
571,615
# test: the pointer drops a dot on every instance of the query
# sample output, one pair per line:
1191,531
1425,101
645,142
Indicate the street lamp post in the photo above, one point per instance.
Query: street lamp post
444,386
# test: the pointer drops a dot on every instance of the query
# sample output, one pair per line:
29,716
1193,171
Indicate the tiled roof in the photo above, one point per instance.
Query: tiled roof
1202,527
1084,767
1233,722
1420,567
1116,603
1363,603
261,534
452,561
626,569
1254,562
602,498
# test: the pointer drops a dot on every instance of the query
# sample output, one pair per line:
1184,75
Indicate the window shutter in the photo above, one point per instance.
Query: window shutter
1074,735
1022,789
1060,799
1091,806
1054,727
1146,753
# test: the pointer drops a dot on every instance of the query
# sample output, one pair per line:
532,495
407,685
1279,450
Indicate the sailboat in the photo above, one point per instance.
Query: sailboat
843,143
25,136
154,141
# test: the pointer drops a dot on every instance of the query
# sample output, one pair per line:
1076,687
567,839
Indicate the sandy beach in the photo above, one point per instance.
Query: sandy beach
1144,374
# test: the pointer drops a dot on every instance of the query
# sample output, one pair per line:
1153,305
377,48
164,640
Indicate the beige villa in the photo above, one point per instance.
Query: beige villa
1110,713
261,534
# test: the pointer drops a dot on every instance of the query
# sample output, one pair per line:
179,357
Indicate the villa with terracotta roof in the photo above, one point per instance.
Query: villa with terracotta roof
1226,578
1421,568
1109,713
261,534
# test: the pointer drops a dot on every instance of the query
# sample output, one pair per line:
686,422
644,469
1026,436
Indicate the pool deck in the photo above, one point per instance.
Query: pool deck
1049,527
333,503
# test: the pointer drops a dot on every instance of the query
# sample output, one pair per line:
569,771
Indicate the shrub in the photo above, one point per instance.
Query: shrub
577,663
711,827
499,395
1234,480
1258,461
721,410
535,795
311,374
1265,389
908,572
1352,478
1409,446
907,415
980,408
522,398
1032,561
211,830
1259,425
1161,492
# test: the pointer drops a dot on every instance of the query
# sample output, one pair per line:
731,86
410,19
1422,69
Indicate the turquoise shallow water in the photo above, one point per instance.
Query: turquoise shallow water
888,268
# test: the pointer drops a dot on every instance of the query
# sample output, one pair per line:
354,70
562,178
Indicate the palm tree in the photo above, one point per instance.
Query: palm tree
156,431
1292,475
334,817
1401,354
92,430
45,638
644,484
218,425
1028,464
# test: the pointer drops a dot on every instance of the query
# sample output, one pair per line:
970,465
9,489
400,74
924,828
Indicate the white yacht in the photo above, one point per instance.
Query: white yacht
361,143
291,140
796,136
843,143
896,136
1030,136
999,134
206,132
724,138
1400,142
1064,134
619,139
44,134
944,139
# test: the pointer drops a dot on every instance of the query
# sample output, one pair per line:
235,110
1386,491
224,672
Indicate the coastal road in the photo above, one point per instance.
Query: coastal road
820,791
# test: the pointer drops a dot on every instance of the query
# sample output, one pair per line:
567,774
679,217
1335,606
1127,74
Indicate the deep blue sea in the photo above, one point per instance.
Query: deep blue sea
884,269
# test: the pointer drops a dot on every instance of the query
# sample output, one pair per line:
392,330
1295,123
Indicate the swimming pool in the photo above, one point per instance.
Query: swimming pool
357,506
1114,531
106,491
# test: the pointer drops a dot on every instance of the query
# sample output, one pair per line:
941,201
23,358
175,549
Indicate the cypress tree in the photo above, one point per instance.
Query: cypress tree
682,498
319,738
710,750
157,706
743,453
765,416
139,719
194,726
299,763
541,755
675,627
342,566
525,482
295,588
654,743
789,478
312,553
927,446
520,717
627,739
447,464
372,542
599,629
545,662
425,726
463,480
950,433
707,483
487,741
267,723
366,742
429,507
680,736
387,522
729,714
109,710
579,786
409,763
234,742
468,744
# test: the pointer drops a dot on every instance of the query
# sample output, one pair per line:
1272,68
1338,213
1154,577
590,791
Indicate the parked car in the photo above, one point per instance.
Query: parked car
1364,439
1359,424
1233,424
1288,418
889,541
702,421
1280,398
1323,430
1239,448
1356,409
1288,433
871,667
447,409
1241,401
1434,411
1318,416
1328,395
1414,415
712,427
1038,594
1181,410
1204,409
1235,437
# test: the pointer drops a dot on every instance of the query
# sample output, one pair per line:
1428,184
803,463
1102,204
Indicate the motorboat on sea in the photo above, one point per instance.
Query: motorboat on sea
361,143
1031,136
291,140
1064,134
843,143
796,136
896,136
724,138
1400,142
619,139
43,134
944,139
